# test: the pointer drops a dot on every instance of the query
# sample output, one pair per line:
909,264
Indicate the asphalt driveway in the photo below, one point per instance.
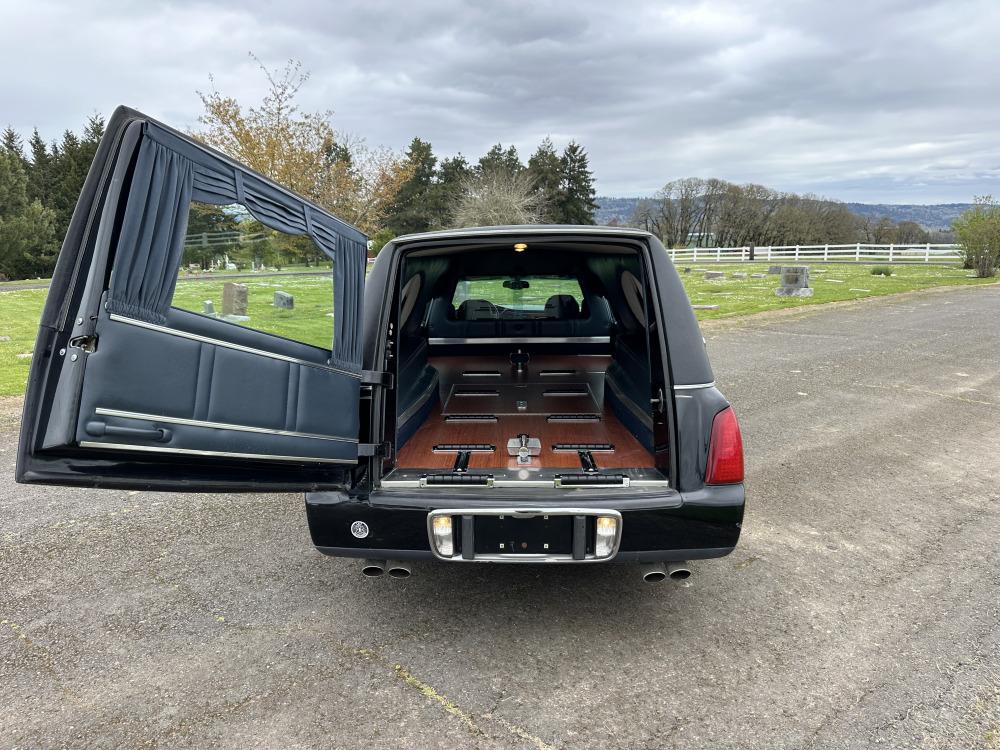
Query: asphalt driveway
861,608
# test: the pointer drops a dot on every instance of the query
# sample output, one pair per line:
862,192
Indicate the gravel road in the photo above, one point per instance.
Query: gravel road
860,609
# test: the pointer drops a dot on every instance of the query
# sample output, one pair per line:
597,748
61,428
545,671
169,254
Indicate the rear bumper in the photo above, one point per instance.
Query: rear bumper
656,526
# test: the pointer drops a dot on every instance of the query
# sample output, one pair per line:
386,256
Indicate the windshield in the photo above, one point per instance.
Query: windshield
523,293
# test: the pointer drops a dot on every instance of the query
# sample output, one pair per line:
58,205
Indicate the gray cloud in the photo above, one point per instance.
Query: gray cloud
879,101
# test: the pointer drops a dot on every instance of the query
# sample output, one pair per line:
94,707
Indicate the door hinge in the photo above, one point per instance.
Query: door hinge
376,450
377,377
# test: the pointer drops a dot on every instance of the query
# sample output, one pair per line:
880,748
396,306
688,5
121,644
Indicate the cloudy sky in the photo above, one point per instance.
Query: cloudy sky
875,101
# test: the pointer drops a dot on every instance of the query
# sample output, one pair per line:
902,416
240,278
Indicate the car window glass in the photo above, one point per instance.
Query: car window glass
236,269
524,293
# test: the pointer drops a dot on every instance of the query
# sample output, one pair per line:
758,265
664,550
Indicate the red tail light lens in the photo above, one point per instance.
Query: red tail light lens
725,451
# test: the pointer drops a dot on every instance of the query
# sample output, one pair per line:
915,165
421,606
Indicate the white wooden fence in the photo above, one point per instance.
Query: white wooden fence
859,252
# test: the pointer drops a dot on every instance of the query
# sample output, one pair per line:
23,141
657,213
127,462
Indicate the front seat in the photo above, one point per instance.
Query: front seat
562,307
477,309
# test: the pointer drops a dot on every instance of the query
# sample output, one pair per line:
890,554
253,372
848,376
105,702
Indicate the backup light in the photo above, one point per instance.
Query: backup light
520,247
725,451
444,541
607,530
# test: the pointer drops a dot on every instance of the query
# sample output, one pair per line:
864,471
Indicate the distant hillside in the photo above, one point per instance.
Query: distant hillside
934,216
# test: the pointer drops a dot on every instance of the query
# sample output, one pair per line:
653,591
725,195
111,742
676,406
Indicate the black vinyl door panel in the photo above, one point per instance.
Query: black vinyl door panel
164,389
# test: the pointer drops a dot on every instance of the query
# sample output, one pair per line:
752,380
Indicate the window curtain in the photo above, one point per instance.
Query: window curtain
152,234
170,172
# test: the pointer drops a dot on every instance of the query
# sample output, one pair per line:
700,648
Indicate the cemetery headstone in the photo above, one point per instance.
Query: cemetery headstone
774,269
284,300
714,275
208,308
794,282
234,302
739,275
757,275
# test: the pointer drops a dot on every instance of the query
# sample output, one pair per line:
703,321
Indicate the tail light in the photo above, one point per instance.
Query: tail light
725,450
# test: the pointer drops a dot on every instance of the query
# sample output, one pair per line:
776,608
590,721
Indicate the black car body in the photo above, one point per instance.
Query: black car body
506,394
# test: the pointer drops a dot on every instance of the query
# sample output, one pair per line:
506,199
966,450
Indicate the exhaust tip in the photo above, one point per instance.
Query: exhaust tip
654,576
678,571
397,569
373,568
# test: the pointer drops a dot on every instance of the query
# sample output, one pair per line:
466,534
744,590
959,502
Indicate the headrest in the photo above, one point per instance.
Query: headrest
562,306
476,309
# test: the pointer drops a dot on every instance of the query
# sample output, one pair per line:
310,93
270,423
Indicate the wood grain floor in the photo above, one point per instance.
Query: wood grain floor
418,453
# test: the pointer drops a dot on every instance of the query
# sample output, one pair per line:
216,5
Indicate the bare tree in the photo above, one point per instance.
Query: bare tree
494,197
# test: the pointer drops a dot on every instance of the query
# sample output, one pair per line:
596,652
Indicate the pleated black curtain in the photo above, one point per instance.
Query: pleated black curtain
152,234
170,172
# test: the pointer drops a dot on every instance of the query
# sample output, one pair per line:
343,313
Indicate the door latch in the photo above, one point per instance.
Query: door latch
84,343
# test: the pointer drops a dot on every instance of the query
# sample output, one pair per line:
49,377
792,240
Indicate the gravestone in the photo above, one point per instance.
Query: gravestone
234,299
774,269
704,307
208,308
739,275
794,282
284,300
714,275
757,275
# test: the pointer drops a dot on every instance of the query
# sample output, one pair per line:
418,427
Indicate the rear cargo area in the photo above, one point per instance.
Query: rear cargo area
528,365
484,402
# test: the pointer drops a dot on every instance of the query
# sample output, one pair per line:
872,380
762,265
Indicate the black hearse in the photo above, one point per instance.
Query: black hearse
505,394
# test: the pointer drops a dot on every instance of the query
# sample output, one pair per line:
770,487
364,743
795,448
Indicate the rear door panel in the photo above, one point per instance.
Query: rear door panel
127,391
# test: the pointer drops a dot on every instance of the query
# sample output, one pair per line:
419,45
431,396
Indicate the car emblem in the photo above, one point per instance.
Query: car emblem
359,529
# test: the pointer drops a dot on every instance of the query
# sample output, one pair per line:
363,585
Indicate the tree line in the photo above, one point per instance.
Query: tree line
39,185
383,192
717,213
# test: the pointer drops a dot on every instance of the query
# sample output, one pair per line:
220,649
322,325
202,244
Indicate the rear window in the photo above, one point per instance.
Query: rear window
521,293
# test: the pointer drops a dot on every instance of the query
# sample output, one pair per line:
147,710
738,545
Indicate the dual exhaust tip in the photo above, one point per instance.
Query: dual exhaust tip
657,572
395,568
651,573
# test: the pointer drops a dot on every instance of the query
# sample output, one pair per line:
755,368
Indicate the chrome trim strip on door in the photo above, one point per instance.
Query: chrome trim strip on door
222,454
441,341
102,412
229,345
694,386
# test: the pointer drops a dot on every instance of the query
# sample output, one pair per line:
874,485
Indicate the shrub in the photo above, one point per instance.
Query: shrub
978,231
882,271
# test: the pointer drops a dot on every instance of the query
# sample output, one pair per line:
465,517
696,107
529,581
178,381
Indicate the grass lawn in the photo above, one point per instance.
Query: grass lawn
831,282
311,322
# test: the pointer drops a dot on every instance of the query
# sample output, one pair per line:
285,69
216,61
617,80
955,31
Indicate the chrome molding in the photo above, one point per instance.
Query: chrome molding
217,425
229,345
443,341
694,386
222,454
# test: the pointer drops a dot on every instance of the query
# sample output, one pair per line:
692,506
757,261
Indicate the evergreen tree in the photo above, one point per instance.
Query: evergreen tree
545,167
577,194
27,229
40,173
452,175
500,159
413,209
12,142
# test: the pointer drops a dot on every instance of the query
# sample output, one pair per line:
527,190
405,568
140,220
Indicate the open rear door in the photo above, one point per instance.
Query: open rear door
128,390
